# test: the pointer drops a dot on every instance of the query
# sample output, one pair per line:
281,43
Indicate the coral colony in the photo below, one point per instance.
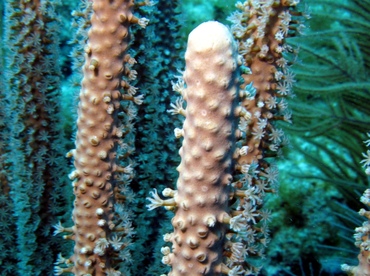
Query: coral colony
231,97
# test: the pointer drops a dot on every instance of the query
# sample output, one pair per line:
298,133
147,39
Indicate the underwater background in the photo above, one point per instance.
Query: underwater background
321,178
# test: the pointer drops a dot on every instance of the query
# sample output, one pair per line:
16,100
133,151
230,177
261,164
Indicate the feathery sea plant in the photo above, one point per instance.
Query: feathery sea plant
331,105
333,94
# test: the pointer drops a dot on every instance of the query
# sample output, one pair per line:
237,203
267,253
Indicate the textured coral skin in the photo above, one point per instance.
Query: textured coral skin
363,268
97,134
362,239
206,152
263,67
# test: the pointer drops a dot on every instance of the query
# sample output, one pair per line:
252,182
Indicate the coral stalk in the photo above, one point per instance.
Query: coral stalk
209,132
206,152
99,232
32,139
362,233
